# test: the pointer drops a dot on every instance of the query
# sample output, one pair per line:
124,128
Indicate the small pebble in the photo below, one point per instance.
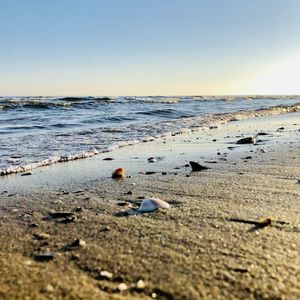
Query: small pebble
140,284
78,243
41,236
46,256
122,287
106,275
26,174
48,288
118,173
151,160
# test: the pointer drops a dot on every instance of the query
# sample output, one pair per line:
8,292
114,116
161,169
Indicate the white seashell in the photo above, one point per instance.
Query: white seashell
153,204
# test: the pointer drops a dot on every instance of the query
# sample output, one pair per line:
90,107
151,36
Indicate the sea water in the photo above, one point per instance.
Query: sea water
37,131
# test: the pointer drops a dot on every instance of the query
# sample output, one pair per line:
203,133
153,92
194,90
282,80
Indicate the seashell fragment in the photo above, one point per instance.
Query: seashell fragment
152,204
118,173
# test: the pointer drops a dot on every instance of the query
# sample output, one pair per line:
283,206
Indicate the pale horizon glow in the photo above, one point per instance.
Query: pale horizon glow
141,47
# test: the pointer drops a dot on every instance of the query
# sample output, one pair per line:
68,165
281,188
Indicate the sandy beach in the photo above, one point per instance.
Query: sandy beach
70,231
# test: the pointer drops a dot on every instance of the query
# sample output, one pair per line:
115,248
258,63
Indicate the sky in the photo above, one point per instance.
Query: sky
149,47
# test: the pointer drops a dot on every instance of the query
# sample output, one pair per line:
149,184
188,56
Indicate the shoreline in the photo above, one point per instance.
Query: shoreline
172,151
199,123
194,250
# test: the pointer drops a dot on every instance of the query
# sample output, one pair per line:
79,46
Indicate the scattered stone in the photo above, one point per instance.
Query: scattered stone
28,262
164,173
105,275
240,270
140,284
48,289
151,160
122,287
262,133
197,167
187,165
280,128
150,173
123,203
129,193
259,224
298,180
187,175
33,225
211,161
248,157
247,140
105,229
263,150
78,192
231,147
59,215
78,243
214,140
152,204
41,236
118,173
26,174
43,257
108,158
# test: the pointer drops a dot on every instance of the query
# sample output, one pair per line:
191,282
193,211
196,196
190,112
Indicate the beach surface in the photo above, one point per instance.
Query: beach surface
70,231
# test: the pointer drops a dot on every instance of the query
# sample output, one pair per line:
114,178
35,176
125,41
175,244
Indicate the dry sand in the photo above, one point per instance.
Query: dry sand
194,250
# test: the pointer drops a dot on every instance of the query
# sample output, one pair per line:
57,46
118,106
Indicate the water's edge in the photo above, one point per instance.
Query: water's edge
199,123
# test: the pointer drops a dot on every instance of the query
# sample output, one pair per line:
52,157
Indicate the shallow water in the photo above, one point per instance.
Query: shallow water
37,131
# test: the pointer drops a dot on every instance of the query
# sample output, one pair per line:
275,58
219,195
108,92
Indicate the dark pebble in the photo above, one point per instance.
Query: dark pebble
247,140
122,203
197,167
26,174
42,257
58,215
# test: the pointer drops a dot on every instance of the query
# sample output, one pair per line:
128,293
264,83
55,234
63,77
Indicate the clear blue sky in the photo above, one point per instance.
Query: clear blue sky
138,47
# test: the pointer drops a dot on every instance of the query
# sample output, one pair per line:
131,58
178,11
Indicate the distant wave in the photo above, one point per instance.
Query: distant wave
50,102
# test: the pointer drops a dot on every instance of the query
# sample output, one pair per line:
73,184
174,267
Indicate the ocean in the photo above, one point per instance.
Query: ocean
38,131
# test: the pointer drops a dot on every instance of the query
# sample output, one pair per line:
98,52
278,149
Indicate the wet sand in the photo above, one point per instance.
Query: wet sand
200,248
